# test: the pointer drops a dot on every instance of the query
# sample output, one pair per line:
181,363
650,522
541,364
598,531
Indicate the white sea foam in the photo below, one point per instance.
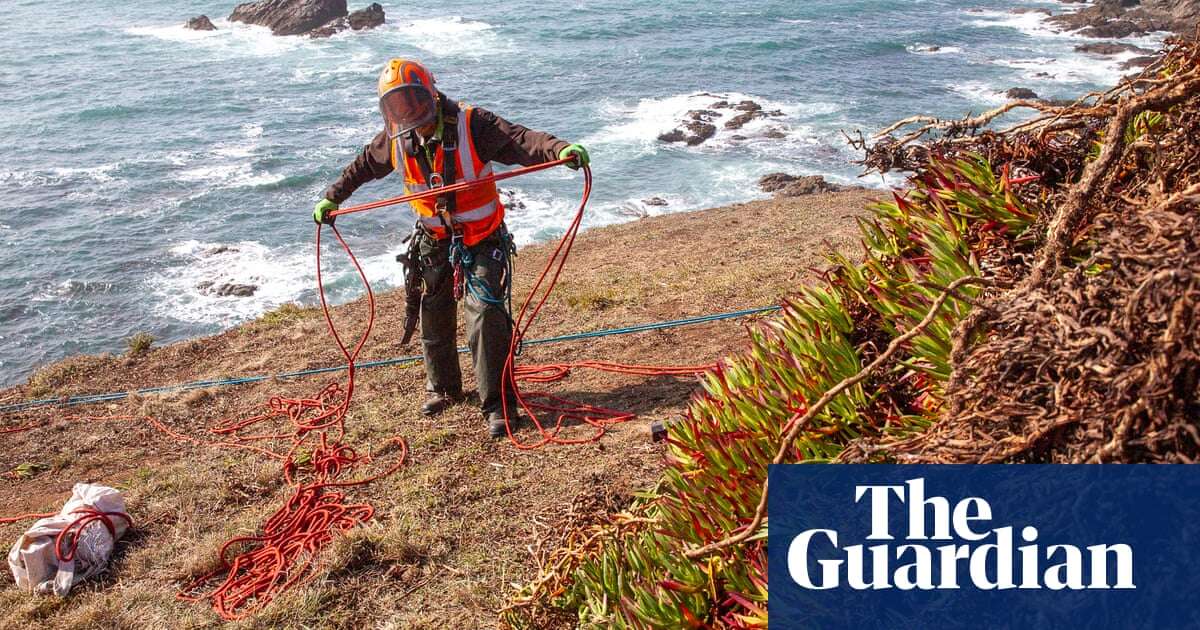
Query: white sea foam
281,275
1035,25
67,290
449,36
230,36
530,211
978,91
638,126
1032,23
920,48
230,175
1071,68
99,174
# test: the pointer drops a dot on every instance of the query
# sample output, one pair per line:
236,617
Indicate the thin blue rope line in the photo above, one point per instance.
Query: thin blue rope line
95,398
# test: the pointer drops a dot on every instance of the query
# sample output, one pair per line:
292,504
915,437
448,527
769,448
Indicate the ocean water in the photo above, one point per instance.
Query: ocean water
140,160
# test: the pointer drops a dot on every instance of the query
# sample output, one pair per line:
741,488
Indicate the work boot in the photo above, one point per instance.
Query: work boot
439,401
496,424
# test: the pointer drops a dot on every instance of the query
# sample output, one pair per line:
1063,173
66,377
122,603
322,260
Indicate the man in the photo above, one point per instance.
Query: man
433,141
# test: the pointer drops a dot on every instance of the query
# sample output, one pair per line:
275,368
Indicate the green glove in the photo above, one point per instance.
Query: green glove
321,212
580,154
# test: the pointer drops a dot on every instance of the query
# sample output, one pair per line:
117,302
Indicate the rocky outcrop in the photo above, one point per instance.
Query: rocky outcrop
1111,48
1020,93
784,185
700,124
200,23
290,17
696,128
359,20
655,201
510,200
1125,18
227,289
1138,62
369,17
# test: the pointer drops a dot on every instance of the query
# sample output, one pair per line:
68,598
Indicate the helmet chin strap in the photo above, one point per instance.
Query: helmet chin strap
437,130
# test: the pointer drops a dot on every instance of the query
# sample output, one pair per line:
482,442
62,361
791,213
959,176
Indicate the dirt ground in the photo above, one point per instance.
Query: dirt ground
454,528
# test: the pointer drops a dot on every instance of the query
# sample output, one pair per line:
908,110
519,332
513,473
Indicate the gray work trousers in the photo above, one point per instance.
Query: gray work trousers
489,327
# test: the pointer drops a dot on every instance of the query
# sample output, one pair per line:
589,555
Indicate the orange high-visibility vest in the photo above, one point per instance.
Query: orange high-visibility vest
478,210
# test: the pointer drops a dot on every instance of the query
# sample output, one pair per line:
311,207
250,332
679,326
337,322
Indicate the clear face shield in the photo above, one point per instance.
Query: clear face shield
407,107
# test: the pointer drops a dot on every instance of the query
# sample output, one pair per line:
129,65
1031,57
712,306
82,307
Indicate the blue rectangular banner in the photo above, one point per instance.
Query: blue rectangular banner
996,546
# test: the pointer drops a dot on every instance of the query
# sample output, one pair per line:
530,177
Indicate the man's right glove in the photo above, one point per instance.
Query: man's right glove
576,151
321,212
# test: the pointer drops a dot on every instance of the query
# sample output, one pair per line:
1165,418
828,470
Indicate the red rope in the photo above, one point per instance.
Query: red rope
287,551
599,418
255,569
74,531
21,517
425,194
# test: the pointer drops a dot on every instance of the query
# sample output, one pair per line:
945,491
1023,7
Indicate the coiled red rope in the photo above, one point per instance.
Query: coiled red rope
74,531
287,551
565,411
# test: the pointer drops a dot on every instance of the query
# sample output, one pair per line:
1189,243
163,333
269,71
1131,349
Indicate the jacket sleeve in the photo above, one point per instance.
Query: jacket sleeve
374,162
497,140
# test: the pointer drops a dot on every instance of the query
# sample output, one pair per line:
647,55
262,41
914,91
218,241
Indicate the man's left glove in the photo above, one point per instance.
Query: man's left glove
321,212
578,152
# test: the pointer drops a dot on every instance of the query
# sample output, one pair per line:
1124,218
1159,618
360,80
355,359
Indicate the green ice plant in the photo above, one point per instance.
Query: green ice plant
913,245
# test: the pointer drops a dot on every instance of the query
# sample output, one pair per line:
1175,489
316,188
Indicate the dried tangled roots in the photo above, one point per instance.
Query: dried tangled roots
1095,355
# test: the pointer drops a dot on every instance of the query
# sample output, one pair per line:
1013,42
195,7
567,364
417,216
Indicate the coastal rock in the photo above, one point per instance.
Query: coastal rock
1111,48
230,289
655,201
700,131
1020,94
289,17
359,20
1138,62
1024,10
784,185
1123,18
737,122
1115,29
510,200
200,23
692,133
227,289
367,18
774,134
699,125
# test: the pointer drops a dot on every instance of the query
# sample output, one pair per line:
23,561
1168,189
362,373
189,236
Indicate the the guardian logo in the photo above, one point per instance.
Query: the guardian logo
972,554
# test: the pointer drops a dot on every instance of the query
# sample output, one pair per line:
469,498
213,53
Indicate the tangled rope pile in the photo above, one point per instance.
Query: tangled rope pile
317,463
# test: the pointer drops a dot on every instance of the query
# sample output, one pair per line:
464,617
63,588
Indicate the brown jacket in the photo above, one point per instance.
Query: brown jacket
496,140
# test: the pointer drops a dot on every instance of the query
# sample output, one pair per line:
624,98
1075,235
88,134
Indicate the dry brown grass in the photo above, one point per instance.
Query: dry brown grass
454,528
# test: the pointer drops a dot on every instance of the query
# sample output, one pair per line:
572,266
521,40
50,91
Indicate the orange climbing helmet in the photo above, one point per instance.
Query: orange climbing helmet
407,97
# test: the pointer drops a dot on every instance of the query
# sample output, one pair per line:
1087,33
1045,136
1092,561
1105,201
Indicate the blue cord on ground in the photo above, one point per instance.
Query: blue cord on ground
97,398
